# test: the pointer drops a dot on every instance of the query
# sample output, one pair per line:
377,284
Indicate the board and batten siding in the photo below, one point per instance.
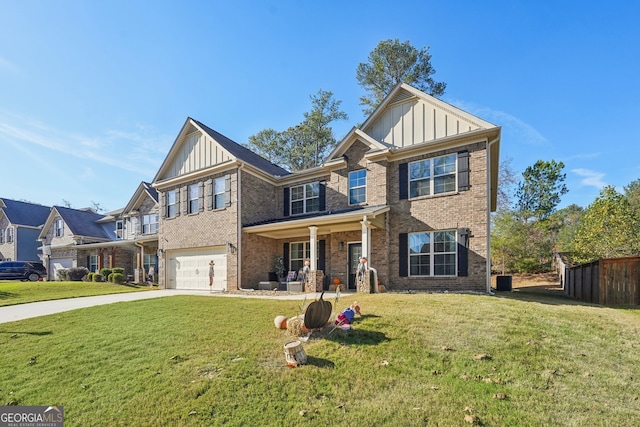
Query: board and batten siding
197,152
417,121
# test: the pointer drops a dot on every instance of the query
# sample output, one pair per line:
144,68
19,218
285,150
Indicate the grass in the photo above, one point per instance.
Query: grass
12,293
519,358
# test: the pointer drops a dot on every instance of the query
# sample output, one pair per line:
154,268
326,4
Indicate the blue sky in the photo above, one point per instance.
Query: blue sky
93,94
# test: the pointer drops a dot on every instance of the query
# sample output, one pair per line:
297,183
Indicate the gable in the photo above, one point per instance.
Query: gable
409,117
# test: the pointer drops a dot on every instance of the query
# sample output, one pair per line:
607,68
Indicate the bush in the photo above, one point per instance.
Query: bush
97,277
105,273
89,277
118,270
75,274
62,274
117,278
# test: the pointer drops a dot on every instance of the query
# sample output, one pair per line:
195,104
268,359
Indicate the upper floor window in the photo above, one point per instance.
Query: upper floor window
432,253
150,224
305,198
194,199
219,193
119,230
357,187
432,176
172,203
2,236
58,227
10,235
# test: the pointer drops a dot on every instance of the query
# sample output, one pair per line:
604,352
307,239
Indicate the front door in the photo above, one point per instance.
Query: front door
355,253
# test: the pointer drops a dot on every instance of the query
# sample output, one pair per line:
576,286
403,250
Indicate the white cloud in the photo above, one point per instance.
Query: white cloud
590,178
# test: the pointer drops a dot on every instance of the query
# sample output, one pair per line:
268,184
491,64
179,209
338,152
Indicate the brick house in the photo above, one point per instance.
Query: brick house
412,189
20,224
125,238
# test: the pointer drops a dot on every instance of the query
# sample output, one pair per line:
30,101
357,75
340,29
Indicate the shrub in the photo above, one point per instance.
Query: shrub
105,273
118,270
117,278
97,277
89,277
75,274
62,274
110,278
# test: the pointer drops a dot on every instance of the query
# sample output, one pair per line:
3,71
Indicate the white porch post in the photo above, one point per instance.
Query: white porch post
313,237
366,238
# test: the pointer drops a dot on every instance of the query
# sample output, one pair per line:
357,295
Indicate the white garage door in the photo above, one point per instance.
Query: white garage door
57,264
190,269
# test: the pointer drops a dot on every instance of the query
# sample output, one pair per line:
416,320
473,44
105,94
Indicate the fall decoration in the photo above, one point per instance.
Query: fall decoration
280,322
318,313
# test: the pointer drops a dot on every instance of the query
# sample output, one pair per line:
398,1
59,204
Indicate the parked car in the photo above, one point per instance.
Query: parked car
22,270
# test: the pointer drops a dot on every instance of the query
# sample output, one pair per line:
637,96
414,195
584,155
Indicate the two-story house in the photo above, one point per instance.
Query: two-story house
125,238
20,224
411,189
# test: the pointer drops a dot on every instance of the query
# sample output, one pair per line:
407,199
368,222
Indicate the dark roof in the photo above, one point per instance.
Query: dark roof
152,191
305,216
84,222
24,213
244,153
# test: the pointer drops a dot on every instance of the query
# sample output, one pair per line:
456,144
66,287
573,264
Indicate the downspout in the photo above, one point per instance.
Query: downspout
239,231
376,290
141,262
488,261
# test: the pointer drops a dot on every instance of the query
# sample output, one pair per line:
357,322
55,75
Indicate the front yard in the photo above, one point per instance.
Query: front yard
423,359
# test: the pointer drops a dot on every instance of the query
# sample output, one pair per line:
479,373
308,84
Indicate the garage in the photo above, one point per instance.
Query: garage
57,264
190,269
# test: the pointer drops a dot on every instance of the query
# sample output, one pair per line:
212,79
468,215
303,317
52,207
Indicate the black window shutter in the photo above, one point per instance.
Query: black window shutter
89,262
321,254
286,201
323,196
463,252
463,171
227,190
403,178
403,255
285,257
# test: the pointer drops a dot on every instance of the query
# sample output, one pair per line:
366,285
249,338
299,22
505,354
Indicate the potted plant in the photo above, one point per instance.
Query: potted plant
279,268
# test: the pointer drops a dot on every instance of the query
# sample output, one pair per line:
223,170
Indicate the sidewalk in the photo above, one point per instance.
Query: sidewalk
13,313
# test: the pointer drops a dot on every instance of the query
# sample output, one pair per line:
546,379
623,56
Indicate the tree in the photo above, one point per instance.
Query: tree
539,194
304,145
568,220
608,228
390,63
506,182
632,191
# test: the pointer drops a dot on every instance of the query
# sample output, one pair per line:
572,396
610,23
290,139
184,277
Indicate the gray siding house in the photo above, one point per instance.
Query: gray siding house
20,224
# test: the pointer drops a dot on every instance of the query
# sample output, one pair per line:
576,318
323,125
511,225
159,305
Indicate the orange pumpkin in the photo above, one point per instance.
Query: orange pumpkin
336,281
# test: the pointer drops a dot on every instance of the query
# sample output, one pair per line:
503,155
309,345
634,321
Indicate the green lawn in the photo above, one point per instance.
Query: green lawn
410,360
12,293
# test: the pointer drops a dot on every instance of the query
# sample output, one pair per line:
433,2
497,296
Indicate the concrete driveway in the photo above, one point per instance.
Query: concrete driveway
13,313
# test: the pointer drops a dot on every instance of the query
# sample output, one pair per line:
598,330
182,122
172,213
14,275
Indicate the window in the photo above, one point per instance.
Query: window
194,199
119,230
432,176
432,253
150,260
2,236
298,252
219,193
93,263
357,187
172,203
305,198
10,235
150,224
58,227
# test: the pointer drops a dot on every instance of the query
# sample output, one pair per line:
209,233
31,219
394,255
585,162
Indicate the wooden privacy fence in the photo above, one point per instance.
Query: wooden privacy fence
607,281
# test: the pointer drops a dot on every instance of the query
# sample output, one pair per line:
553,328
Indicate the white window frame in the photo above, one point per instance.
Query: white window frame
304,198
357,185
431,172
93,263
219,193
58,227
436,246
120,229
193,196
150,224
172,203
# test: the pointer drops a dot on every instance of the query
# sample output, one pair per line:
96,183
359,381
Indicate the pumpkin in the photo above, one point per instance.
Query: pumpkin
318,313
280,322
336,281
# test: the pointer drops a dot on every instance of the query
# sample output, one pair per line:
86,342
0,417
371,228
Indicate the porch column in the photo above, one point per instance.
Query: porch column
313,237
366,238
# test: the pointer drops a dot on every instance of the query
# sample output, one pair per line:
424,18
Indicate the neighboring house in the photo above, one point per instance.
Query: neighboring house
412,189
20,224
125,238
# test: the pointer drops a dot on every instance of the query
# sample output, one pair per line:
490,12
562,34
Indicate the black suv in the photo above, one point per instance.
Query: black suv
22,270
